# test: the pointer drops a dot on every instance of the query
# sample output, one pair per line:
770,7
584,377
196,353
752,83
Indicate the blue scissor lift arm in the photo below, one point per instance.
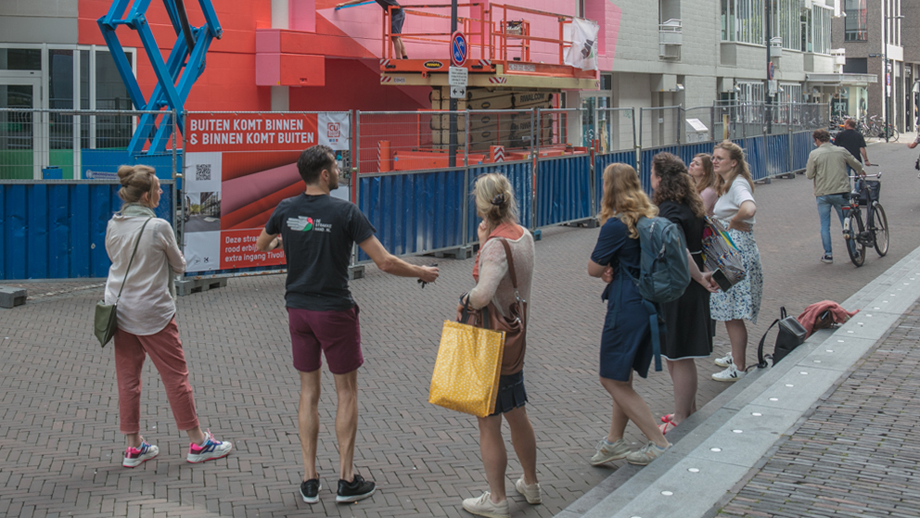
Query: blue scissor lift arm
189,52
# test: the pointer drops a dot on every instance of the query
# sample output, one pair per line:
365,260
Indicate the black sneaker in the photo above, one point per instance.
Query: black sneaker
309,490
357,489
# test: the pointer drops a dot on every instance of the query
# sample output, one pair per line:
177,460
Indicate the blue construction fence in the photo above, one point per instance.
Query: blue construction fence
420,212
56,229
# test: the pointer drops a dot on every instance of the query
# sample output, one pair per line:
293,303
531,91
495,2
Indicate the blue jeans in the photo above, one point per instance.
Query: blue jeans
837,201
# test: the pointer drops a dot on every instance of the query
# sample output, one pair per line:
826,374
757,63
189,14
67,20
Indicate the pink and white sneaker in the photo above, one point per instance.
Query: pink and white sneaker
212,449
134,457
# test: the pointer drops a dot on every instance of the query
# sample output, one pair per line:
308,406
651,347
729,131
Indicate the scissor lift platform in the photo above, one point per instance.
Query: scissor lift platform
501,49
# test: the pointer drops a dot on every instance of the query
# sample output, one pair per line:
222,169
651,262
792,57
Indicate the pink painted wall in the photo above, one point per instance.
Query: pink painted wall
608,17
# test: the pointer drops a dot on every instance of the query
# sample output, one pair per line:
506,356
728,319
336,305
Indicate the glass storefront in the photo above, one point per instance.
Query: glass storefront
78,77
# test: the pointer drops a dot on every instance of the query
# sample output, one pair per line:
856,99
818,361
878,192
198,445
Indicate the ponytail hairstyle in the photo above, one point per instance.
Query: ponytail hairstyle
495,202
741,169
675,184
624,198
135,181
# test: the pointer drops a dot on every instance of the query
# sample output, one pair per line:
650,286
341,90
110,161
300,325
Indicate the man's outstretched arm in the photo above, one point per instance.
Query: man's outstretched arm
393,265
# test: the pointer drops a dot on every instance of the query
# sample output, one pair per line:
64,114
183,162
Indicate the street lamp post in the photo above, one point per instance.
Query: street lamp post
887,74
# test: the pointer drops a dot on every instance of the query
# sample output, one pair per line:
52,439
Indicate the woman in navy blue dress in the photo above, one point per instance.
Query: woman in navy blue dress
626,342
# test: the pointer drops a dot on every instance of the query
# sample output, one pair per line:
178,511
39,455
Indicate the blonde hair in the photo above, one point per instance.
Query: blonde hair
709,176
495,202
624,198
135,181
742,169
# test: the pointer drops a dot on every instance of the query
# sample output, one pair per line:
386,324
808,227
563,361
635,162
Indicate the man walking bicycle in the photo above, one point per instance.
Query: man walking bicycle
827,166
318,232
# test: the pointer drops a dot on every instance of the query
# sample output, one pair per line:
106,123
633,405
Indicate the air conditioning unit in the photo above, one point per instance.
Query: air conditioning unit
670,38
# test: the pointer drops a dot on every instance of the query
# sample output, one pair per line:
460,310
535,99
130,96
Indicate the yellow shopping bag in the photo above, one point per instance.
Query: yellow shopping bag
466,372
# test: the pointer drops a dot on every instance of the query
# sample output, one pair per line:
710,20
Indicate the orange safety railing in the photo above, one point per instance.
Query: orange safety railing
492,33
464,24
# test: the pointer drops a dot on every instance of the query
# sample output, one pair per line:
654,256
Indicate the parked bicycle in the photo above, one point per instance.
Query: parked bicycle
875,127
875,231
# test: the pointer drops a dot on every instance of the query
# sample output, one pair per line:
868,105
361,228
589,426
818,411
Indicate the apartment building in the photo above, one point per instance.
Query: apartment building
694,52
871,31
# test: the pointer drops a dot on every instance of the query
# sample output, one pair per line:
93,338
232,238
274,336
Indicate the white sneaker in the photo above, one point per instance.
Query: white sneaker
532,493
483,506
134,457
725,361
646,454
608,452
212,449
730,375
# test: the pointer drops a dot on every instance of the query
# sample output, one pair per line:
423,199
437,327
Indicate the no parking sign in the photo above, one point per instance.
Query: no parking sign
458,49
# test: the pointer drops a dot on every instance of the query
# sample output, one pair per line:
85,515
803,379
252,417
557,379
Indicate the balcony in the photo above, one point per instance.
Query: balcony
670,39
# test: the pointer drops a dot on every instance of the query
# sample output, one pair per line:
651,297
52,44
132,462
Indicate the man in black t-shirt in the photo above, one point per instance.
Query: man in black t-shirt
397,17
318,232
853,141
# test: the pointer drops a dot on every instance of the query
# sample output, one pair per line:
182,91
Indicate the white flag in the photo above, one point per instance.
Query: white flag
583,52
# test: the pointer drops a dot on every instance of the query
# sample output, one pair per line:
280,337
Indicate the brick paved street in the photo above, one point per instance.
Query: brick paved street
60,447
856,452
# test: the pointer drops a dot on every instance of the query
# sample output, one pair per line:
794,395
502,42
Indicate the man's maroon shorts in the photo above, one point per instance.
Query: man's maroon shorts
336,333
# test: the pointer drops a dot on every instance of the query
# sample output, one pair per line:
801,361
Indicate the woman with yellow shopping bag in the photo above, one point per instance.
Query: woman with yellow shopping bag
497,269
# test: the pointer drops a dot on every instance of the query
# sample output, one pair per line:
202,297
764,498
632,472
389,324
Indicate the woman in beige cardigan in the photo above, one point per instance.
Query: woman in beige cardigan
496,205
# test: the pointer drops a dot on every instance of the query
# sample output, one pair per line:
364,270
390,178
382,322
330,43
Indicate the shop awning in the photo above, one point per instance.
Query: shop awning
840,79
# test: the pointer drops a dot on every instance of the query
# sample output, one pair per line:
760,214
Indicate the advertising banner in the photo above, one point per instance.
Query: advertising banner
238,167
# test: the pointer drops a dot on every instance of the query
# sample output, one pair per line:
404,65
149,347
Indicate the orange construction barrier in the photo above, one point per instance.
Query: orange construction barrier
384,158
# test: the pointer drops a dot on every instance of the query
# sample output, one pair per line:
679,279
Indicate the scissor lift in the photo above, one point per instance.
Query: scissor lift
171,91
516,63
501,50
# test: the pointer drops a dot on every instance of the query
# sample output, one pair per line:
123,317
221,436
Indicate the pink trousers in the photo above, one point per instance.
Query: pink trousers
165,349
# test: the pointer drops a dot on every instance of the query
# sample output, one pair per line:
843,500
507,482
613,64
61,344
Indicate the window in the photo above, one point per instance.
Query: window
60,96
808,43
111,93
742,21
20,59
751,93
856,66
790,93
787,23
893,10
821,27
855,20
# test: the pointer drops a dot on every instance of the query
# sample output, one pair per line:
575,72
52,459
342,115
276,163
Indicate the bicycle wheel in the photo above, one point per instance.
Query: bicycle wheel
880,229
894,134
853,227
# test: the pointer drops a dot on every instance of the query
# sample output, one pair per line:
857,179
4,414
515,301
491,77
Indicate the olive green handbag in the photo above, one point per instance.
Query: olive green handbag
105,319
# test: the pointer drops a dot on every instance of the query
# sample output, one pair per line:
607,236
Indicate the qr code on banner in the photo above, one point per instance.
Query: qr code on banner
202,172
